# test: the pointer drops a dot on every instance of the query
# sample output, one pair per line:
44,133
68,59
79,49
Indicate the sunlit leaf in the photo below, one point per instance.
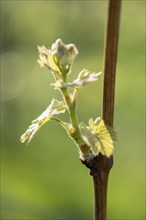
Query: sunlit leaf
88,136
99,136
105,136
85,77
46,59
56,107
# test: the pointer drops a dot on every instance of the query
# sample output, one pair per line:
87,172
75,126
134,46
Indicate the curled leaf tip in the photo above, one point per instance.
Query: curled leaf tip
30,132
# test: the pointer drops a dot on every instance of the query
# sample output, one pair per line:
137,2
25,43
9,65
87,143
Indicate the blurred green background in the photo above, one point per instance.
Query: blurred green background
46,180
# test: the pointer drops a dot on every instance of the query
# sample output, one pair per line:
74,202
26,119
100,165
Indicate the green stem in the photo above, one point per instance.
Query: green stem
62,123
85,151
71,104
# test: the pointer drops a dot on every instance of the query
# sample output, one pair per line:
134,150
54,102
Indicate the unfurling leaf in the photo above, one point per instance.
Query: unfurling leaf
64,55
59,58
99,136
46,59
88,136
56,107
85,77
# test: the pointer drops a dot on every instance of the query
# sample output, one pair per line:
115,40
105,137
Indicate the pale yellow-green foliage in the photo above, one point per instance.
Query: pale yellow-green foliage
56,107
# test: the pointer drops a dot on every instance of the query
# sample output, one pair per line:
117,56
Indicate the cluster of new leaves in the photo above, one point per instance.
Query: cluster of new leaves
58,59
97,137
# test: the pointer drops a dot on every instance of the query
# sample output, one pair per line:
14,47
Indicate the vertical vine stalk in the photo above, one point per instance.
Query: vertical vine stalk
103,164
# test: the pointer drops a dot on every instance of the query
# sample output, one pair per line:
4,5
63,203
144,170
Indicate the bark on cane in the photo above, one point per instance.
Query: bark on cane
102,164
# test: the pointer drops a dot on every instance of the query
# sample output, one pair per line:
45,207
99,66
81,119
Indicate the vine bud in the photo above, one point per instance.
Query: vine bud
64,55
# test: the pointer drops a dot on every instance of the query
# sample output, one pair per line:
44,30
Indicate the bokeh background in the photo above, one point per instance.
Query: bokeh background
45,180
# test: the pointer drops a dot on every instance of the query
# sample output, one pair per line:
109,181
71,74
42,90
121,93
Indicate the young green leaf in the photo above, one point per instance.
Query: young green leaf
88,136
56,107
103,136
100,137
85,77
46,59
